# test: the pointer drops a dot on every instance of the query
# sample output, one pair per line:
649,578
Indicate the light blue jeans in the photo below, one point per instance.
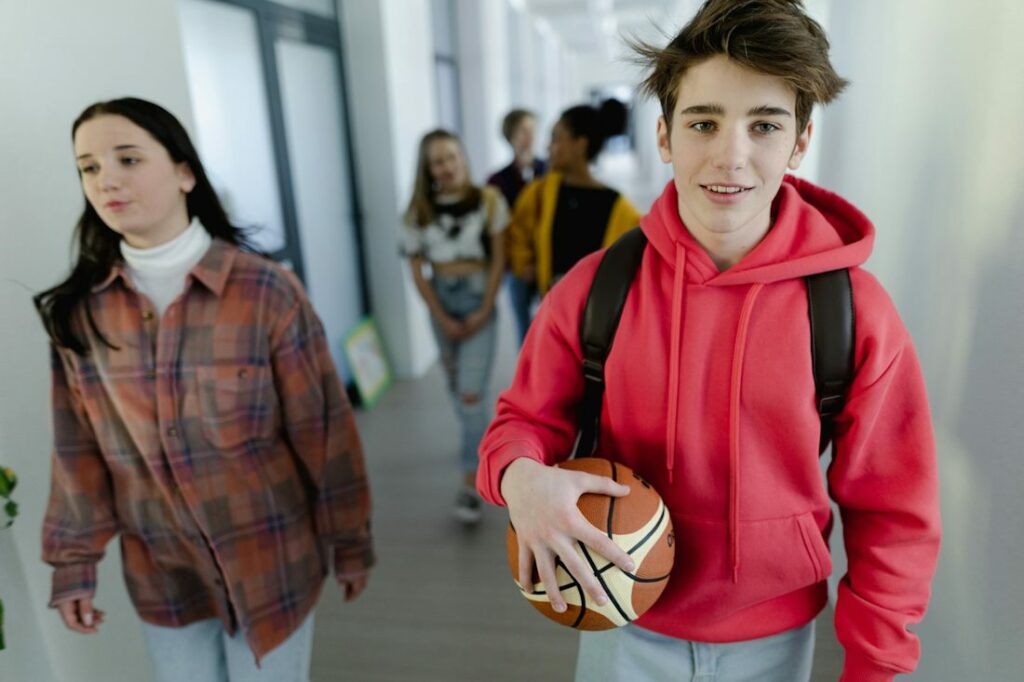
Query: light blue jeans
467,362
521,296
203,652
633,654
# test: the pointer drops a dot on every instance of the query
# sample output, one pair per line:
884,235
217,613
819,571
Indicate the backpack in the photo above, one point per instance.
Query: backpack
829,305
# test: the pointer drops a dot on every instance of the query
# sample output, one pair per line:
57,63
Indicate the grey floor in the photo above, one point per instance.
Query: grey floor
441,605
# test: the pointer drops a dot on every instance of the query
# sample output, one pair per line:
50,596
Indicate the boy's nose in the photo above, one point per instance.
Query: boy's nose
731,151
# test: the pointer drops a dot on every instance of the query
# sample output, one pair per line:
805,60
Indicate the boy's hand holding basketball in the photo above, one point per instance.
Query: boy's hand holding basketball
542,507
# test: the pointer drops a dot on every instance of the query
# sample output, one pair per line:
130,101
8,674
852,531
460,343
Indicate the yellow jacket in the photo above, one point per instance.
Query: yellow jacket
529,234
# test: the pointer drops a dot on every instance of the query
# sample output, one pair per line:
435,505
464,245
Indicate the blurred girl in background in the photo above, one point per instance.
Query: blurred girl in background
458,230
568,214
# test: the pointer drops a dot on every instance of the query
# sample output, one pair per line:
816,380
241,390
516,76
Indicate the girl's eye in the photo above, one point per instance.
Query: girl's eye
703,126
87,169
129,161
766,128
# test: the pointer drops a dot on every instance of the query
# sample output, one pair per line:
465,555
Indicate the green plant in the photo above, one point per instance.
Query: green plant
8,481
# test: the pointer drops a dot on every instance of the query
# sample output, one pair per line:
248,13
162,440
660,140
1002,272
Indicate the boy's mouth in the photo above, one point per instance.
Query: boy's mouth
726,189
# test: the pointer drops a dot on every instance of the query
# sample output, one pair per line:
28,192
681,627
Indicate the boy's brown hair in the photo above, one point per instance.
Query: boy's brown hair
511,122
775,37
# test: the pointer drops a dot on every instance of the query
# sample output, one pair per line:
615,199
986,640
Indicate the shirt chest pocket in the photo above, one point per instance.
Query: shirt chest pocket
235,403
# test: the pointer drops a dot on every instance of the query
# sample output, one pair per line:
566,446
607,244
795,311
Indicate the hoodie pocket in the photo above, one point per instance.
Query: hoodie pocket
777,557
817,550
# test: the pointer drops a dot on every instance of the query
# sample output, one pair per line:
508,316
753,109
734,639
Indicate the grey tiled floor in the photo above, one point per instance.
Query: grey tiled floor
441,605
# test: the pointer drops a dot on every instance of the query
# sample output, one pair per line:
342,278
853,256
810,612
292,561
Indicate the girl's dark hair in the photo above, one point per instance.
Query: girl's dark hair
421,210
99,246
596,124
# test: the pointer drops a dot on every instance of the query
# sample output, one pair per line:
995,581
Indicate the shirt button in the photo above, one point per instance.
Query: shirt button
243,373
172,432
147,315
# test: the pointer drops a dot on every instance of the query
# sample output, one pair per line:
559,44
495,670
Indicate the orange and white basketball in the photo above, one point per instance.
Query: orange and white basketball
640,524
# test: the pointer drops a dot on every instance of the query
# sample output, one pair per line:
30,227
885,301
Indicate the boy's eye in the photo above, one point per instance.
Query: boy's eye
765,128
703,126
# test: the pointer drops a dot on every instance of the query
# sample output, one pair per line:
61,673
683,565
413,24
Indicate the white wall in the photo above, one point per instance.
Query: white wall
56,58
389,70
542,75
928,142
484,79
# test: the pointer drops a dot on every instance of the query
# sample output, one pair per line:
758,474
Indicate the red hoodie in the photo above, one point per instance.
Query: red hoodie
710,397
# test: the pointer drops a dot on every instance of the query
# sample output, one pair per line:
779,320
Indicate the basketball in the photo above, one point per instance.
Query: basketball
639,523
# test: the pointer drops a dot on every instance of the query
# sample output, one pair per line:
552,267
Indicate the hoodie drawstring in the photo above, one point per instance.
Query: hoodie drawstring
674,357
734,427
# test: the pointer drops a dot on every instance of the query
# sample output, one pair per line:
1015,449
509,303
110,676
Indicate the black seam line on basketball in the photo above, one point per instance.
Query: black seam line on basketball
611,503
572,583
637,546
643,540
634,577
583,606
579,589
604,585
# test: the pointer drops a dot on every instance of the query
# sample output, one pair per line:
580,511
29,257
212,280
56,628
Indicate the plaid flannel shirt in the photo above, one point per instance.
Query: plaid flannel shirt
218,442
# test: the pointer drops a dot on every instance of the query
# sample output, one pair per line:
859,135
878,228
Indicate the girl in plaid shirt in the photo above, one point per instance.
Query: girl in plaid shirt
197,415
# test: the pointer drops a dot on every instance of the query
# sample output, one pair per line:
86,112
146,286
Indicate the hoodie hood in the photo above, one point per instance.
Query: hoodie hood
814,231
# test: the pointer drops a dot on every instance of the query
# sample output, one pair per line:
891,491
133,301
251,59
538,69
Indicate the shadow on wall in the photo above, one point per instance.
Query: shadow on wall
988,426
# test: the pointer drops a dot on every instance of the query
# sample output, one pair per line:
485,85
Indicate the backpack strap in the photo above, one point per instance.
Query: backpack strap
601,315
830,306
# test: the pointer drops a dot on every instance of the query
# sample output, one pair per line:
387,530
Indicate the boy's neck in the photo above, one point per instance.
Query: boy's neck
524,160
727,249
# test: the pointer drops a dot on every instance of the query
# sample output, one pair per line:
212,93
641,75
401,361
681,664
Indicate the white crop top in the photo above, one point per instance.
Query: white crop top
458,230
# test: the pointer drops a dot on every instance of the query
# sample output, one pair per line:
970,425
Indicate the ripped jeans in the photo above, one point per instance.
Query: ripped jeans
467,362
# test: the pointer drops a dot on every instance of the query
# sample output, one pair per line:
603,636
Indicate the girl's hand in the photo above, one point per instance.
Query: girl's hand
80,615
354,586
451,327
475,321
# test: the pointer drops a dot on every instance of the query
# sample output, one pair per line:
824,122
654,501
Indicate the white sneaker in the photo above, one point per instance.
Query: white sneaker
467,506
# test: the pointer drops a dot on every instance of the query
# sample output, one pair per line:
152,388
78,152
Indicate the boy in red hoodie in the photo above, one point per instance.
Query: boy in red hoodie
710,396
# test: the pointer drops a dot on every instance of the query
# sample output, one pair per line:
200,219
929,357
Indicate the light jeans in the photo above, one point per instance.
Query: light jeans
203,652
521,295
467,362
633,654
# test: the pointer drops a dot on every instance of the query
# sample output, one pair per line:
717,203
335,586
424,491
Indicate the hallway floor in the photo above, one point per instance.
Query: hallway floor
441,604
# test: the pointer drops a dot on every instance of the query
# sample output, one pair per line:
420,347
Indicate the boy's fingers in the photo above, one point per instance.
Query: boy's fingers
525,567
546,569
603,545
604,485
583,572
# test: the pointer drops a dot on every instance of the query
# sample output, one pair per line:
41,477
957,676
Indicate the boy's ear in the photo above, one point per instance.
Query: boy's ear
803,141
664,146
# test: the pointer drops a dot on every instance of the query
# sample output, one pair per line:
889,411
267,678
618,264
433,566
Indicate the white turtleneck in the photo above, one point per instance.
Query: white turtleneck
159,272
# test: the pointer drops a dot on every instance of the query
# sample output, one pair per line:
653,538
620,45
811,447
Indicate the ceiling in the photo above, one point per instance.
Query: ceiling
588,26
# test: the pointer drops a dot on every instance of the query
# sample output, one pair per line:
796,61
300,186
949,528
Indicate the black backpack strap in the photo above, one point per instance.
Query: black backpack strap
830,306
601,316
